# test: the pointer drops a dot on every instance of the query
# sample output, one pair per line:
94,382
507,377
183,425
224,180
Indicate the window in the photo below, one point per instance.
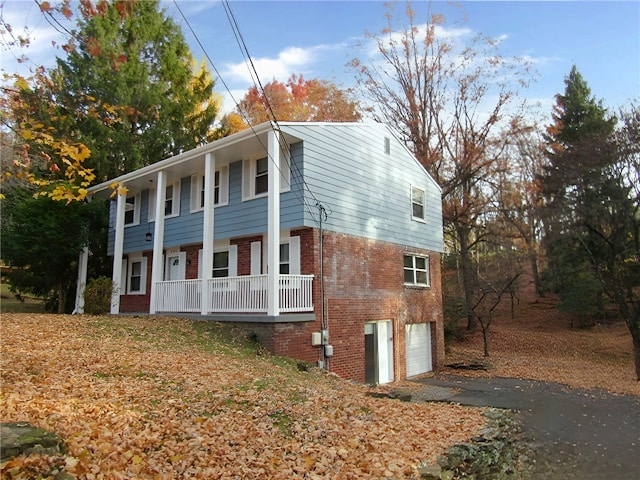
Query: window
171,201
255,176
387,145
137,278
289,257
132,210
416,270
285,267
220,264
417,204
220,189
168,201
262,176
225,262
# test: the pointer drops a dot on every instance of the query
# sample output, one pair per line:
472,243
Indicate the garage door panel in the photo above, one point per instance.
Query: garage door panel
418,348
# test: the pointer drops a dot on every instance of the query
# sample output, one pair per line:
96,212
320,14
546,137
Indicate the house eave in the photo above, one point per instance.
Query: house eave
140,179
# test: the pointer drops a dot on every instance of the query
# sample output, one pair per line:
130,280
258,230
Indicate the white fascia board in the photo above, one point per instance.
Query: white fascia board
182,157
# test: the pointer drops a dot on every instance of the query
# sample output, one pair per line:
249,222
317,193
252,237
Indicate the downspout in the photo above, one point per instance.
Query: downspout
324,321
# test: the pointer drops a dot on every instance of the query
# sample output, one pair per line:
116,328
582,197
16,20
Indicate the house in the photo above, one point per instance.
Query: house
322,239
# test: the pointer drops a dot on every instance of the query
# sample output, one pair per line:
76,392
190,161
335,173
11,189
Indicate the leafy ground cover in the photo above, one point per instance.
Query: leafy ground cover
539,344
168,398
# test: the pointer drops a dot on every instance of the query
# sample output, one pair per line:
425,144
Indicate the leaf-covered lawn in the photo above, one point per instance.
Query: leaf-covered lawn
540,344
168,398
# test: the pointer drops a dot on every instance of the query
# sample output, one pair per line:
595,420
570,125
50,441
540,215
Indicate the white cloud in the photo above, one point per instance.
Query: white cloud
289,61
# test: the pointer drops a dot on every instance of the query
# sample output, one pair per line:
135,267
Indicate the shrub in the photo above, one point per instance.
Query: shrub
97,296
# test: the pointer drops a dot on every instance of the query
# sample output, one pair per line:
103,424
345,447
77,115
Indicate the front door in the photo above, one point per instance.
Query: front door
175,266
378,352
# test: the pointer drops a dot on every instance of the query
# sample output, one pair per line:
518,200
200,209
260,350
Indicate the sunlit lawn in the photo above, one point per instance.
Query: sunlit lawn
10,304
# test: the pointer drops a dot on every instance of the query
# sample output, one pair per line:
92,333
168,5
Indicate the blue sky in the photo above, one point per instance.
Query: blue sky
317,39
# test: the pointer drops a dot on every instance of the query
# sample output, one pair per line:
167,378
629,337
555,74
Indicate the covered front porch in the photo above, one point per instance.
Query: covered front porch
242,294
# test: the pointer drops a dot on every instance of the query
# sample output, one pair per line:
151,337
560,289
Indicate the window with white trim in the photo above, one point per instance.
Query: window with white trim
285,267
261,177
289,257
220,189
416,270
255,176
418,204
137,275
171,201
220,264
225,262
132,210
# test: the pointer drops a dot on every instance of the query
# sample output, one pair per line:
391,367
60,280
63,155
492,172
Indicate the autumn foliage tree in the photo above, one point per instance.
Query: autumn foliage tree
126,93
298,100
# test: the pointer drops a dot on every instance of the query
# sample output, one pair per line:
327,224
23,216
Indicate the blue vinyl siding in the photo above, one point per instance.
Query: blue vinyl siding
345,167
367,190
238,218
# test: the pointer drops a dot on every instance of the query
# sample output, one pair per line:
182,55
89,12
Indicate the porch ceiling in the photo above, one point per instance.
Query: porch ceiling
251,143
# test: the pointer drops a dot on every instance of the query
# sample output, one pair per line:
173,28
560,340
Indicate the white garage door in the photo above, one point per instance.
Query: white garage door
418,339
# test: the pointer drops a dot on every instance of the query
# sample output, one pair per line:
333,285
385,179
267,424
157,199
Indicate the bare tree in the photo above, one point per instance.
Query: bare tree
451,96
518,196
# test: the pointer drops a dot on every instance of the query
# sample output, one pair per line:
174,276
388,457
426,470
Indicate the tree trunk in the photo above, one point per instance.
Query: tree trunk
62,297
533,258
485,341
467,275
636,354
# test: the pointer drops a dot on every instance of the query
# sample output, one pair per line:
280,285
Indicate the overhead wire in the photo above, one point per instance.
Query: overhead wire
284,146
270,112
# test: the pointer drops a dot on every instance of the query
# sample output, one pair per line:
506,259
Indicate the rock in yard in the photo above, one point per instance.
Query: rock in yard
20,438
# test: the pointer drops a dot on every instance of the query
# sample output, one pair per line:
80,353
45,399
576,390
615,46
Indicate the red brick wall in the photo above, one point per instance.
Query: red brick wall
137,303
244,252
364,283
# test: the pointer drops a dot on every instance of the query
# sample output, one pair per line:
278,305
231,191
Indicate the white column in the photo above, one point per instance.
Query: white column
158,238
121,201
81,282
207,228
273,224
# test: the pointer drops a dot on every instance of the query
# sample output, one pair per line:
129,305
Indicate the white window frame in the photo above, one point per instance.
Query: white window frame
136,210
233,260
197,188
133,259
414,269
249,172
423,195
259,260
175,199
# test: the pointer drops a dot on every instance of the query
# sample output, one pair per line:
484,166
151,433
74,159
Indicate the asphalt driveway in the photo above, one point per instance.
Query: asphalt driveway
573,434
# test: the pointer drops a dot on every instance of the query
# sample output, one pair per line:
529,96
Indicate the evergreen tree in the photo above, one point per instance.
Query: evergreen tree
577,142
131,91
42,238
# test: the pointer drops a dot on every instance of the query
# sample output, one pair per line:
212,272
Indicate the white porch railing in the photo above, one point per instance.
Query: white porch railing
244,294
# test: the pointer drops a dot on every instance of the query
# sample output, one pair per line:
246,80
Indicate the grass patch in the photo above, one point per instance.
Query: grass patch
10,304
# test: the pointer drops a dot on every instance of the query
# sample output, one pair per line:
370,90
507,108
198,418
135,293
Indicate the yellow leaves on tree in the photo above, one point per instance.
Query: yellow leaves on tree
67,162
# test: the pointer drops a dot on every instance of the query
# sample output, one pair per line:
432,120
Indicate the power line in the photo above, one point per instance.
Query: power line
256,80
